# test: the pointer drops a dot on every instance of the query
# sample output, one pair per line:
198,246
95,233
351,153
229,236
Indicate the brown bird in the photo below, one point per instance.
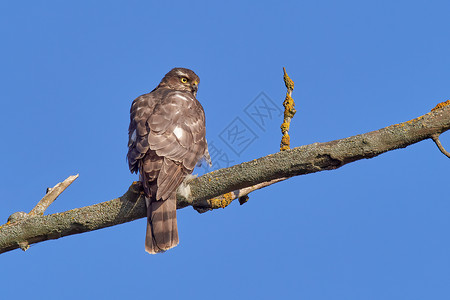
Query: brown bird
166,141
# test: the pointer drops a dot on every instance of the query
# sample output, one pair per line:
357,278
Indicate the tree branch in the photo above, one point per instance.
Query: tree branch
438,143
51,195
217,189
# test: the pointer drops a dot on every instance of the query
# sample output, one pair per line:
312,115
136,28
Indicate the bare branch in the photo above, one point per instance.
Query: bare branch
51,196
235,181
435,138
319,156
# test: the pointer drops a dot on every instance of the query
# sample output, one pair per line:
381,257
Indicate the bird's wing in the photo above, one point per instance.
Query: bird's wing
166,138
141,110
176,133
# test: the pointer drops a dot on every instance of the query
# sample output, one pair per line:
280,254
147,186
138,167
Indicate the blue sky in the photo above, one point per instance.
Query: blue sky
374,229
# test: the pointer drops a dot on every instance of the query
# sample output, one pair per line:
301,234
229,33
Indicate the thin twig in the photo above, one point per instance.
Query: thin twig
435,138
224,200
289,112
51,195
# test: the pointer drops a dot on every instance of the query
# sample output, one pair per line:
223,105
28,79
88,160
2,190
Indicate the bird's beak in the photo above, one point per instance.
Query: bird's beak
195,86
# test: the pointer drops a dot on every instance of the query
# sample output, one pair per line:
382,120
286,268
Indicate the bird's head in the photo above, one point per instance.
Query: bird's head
181,79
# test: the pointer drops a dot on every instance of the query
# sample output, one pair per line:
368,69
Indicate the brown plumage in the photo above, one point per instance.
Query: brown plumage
166,141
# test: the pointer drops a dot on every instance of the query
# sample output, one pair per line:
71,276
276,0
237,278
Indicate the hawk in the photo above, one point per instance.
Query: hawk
166,141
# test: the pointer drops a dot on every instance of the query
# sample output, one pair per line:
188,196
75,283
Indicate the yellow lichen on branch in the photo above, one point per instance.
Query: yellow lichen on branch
288,81
221,201
286,140
289,112
441,105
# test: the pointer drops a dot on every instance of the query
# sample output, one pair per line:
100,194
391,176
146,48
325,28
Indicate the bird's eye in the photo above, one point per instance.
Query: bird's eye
184,80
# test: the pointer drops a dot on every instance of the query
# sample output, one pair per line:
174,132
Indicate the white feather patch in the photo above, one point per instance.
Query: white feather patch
178,131
184,189
181,97
133,136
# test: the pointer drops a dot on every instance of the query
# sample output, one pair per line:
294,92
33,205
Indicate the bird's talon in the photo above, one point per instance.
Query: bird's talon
136,188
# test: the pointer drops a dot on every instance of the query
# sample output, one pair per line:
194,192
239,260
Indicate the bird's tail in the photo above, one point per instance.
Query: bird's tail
162,230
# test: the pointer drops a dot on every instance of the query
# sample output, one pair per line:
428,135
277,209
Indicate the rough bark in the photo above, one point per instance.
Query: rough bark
217,189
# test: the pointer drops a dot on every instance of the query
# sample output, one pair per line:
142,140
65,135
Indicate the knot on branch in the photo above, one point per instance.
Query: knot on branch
17,216
243,199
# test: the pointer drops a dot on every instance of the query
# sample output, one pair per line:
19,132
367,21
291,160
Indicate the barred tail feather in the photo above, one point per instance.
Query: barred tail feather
162,230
